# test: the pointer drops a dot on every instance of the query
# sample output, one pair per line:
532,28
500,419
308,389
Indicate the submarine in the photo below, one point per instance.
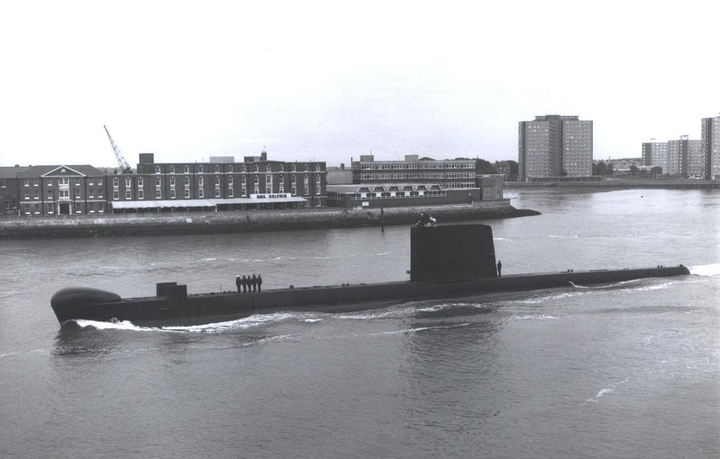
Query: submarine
446,261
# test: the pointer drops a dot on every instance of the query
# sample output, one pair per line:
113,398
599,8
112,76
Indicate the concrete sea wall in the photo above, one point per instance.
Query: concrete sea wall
622,184
157,224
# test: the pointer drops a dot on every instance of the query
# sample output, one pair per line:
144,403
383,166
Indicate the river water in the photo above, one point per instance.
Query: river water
630,370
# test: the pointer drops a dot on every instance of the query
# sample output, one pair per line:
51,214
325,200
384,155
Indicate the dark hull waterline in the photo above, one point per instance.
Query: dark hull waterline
178,308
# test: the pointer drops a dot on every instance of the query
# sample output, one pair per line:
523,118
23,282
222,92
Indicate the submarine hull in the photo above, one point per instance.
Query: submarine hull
173,306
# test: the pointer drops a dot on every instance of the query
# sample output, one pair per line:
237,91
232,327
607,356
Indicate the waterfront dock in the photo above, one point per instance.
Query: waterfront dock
175,223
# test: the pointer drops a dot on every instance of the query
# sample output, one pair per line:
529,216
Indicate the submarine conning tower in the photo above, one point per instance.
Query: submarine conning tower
451,252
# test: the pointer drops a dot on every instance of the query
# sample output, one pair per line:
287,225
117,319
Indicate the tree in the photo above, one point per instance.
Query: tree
563,173
633,170
657,170
599,169
484,167
610,169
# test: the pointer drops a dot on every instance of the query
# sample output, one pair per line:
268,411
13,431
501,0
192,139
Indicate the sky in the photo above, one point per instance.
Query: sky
330,81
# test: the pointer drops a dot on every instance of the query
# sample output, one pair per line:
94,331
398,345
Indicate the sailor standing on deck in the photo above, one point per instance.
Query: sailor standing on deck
259,282
244,283
499,268
238,282
253,282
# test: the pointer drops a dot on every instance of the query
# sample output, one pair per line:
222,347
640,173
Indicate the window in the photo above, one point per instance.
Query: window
230,168
217,168
307,167
158,194
157,181
128,195
217,179
230,192
141,194
187,181
217,192
116,182
200,169
100,193
128,182
77,193
172,169
36,194
187,169
172,193
172,181
50,195
77,182
243,191
116,195
64,193
157,169
187,193
201,193
140,181
230,180
200,181
99,182
27,182
101,207
2,185
257,190
78,208
36,182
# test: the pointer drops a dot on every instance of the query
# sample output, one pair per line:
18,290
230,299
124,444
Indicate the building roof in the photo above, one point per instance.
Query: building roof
167,203
12,172
70,170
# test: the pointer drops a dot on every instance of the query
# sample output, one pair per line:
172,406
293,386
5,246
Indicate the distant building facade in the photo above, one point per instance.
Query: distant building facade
450,173
254,184
10,189
682,157
710,148
554,146
61,190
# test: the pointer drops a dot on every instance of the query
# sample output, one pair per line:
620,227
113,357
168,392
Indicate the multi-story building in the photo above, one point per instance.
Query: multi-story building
451,173
10,189
655,154
553,146
682,157
224,185
710,148
685,157
61,190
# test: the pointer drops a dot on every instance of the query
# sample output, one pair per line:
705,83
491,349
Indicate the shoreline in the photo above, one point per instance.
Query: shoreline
619,185
182,223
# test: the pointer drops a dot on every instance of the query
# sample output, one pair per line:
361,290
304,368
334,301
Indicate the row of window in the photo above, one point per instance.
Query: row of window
416,175
201,192
217,169
201,181
398,195
422,165
51,209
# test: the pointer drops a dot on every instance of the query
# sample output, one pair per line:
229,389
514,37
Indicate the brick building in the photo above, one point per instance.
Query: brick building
61,190
255,183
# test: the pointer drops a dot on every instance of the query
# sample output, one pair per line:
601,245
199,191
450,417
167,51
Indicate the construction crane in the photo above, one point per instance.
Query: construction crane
124,166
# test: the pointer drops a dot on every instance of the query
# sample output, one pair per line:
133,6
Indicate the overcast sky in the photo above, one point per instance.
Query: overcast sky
330,81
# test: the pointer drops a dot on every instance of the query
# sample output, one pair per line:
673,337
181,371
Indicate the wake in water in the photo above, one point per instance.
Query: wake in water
712,270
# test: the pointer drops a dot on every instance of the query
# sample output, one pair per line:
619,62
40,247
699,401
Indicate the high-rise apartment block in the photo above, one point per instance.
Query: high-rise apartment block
682,157
710,147
553,146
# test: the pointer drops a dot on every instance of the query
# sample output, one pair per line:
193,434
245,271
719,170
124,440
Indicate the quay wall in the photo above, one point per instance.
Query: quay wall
151,224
